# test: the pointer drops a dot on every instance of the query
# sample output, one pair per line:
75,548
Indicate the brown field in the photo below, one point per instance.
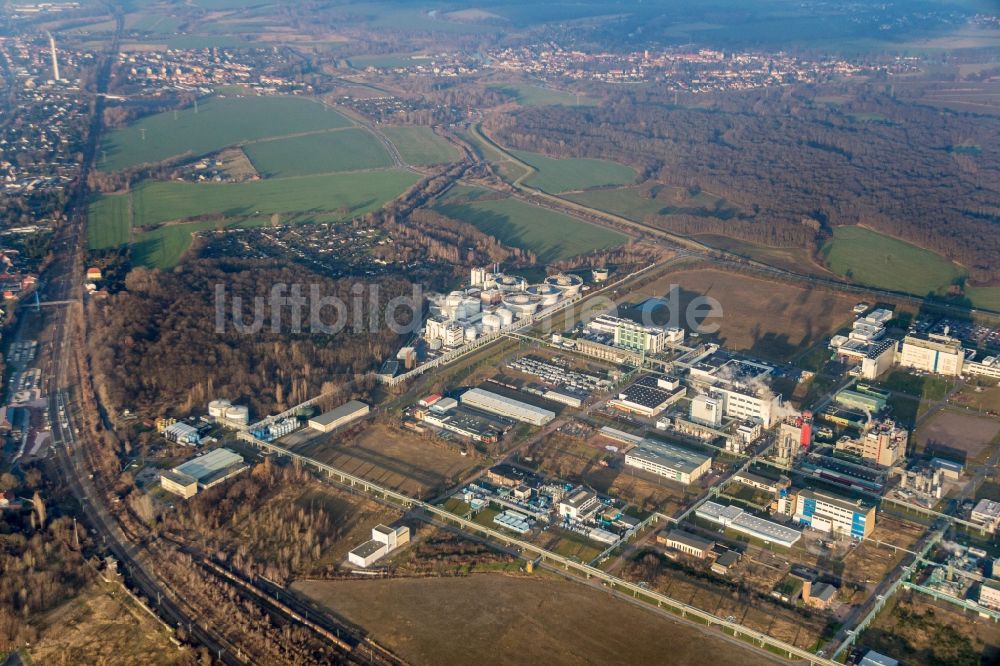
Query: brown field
774,320
869,563
927,632
967,433
237,165
489,619
988,399
394,458
102,625
570,459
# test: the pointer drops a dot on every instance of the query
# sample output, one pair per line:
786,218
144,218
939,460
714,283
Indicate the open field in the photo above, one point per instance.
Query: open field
349,195
560,175
794,259
870,258
985,399
382,61
984,297
529,95
164,246
931,633
502,619
630,202
961,433
339,150
420,146
219,122
774,320
391,457
550,235
108,223
868,563
102,625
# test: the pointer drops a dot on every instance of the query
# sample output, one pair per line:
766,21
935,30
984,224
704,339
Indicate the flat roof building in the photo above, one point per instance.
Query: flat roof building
509,407
739,520
648,396
940,354
669,460
836,515
986,513
346,413
687,543
203,471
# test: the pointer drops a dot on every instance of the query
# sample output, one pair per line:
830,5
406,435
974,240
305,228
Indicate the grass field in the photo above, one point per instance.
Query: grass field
873,259
545,620
550,235
349,194
628,202
420,146
958,432
984,297
561,175
529,95
164,246
107,222
219,122
341,150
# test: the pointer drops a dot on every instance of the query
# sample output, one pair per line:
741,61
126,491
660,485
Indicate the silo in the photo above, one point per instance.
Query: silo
217,408
491,322
506,317
238,414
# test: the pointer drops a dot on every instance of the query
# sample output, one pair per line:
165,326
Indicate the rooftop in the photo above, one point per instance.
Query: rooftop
347,409
368,548
670,455
691,540
210,464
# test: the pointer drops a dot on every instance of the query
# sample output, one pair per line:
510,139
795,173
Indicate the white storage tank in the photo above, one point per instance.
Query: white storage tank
568,283
511,283
506,317
238,414
600,274
470,333
435,344
548,294
491,322
217,408
522,304
471,305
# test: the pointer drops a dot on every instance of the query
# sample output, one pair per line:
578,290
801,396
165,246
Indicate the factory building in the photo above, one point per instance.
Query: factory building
346,413
746,402
649,396
669,460
202,472
580,504
687,543
740,521
989,594
384,540
794,436
182,433
504,406
937,353
987,514
838,516
706,410
883,443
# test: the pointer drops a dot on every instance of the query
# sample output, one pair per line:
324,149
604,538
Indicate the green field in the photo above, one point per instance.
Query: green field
164,246
219,122
529,95
628,202
561,175
876,260
550,235
984,297
107,222
419,145
339,150
348,194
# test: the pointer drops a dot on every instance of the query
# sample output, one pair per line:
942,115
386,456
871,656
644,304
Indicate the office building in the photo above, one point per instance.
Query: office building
346,413
669,460
504,406
836,515
933,352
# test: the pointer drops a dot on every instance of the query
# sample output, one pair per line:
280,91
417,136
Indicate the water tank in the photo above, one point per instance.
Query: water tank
217,408
522,304
600,274
511,283
547,294
435,344
567,283
491,322
506,317
238,414
471,306
470,333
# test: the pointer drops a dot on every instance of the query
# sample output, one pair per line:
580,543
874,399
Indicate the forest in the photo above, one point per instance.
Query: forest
791,166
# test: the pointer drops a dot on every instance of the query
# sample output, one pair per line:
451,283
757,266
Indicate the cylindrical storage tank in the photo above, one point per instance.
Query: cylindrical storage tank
521,304
238,414
511,283
435,344
470,333
548,294
453,301
600,274
568,283
491,322
506,317
471,305
217,408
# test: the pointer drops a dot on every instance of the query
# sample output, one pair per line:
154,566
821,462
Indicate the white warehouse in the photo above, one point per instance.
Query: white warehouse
504,406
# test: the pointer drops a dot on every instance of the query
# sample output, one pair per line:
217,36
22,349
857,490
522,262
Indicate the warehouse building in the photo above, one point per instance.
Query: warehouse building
669,460
987,514
739,520
346,413
504,406
836,515
384,540
687,543
933,352
202,472
649,396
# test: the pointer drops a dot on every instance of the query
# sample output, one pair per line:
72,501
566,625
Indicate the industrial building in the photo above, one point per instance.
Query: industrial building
987,514
687,543
384,540
346,413
866,344
932,352
202,472
669,460
989,594
182,433
882,442
504,406
649,396
739,520
580,504
836,515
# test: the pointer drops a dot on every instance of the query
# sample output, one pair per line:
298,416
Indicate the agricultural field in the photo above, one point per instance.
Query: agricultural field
163,246
108,223
630,202
394,458
102,625
350,149
770,319
218,122
420,146
545,620
961,433
550,235
560,175
984,297
526,94
349,195
870,258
